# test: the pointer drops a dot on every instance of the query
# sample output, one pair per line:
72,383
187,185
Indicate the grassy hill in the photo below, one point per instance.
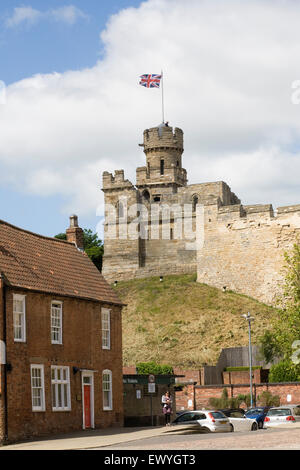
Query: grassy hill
185,323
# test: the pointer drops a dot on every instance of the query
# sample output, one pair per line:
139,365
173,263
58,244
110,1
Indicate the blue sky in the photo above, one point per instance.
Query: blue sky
41,48
74,109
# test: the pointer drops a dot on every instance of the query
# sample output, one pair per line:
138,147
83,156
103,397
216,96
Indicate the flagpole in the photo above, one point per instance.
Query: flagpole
162,97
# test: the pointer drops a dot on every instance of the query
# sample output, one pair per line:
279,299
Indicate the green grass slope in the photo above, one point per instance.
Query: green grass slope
184,323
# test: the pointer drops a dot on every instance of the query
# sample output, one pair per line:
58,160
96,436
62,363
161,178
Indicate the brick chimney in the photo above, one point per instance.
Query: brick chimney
75,233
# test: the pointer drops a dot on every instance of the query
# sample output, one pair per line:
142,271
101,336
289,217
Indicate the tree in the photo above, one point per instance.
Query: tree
280,340
93,246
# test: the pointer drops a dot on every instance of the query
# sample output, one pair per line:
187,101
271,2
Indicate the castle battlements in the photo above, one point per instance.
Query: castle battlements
117,181
163,137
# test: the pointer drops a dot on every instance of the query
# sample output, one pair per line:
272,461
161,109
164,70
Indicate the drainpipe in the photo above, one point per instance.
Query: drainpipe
4,368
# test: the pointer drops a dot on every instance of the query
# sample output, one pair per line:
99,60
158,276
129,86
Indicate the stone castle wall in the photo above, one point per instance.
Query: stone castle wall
243,245
244,248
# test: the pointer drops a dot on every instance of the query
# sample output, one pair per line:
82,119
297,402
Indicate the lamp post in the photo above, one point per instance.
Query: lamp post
249,318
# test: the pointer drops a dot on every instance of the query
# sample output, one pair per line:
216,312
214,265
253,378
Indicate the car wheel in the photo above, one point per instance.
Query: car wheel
254,427
231,428
205,429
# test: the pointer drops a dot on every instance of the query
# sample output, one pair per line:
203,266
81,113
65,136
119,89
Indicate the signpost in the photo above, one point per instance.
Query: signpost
151,389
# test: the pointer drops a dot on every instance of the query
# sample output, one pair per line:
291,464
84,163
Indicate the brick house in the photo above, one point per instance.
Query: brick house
60,337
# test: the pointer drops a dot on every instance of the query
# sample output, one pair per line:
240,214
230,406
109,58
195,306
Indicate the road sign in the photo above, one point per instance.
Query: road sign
151,379
151,388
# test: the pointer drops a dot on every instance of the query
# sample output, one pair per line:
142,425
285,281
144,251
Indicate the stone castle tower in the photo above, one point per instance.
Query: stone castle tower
243,246
160,185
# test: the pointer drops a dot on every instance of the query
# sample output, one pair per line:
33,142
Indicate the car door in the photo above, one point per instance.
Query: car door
239,421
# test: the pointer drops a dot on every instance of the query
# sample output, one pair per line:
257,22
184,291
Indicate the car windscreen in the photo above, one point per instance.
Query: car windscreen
256,411
218,415
236,414
280,412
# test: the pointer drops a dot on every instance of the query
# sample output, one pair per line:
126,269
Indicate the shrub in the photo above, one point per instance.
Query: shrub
284,371
154,368
225,402
267,399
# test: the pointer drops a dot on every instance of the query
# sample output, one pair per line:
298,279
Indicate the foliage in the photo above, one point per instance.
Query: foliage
93,246
153,368
225,402
284,371
285,328
267,399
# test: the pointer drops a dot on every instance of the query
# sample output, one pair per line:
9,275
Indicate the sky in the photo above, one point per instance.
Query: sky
71,106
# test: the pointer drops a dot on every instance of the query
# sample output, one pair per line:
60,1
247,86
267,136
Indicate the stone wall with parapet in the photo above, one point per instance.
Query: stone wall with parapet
244,248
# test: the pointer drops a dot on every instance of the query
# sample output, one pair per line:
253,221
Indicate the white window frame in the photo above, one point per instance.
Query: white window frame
106,328
108,407
22,315
53,303
60,384
42,406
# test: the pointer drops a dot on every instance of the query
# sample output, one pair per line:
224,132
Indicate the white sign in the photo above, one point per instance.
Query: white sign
289,398
151,388
190,403
138,394
2,353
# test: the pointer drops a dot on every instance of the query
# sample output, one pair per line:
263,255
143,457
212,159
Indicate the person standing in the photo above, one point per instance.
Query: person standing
167,407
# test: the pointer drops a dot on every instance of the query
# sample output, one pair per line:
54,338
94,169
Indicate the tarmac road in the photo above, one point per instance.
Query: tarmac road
265,439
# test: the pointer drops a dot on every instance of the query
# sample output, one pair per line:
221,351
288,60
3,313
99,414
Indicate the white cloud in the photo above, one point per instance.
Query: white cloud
27,15
68,14
229,68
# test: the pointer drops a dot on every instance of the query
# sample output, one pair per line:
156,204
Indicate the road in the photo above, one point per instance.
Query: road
264,439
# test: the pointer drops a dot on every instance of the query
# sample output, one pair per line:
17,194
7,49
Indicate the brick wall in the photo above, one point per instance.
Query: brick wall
202,394
242,376
81,348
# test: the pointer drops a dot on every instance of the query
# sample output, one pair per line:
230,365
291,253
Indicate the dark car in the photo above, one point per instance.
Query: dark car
259,413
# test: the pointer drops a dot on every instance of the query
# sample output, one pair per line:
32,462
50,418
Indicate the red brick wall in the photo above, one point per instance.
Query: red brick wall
188,375
82,348
242,377
204,393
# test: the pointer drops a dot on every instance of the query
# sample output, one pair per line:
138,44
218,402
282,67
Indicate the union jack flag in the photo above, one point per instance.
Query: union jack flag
150,80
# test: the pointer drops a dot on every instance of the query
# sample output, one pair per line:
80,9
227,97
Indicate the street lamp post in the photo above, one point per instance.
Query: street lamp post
249,318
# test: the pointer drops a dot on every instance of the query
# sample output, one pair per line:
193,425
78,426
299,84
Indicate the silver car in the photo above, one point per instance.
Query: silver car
282,414
202,420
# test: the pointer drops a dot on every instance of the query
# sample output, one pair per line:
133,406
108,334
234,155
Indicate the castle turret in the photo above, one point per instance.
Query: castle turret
163,148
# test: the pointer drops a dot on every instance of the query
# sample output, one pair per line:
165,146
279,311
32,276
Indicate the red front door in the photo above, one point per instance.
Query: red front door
87,406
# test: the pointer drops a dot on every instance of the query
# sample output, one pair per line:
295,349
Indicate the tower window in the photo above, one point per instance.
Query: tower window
120,209
156,198
195,202
162,167
146,195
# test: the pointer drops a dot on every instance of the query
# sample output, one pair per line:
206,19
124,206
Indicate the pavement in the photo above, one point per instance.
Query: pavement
101,438
89,439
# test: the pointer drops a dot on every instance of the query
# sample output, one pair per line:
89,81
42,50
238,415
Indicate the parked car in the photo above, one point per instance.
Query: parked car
282,414
239,420
259,413
202,420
